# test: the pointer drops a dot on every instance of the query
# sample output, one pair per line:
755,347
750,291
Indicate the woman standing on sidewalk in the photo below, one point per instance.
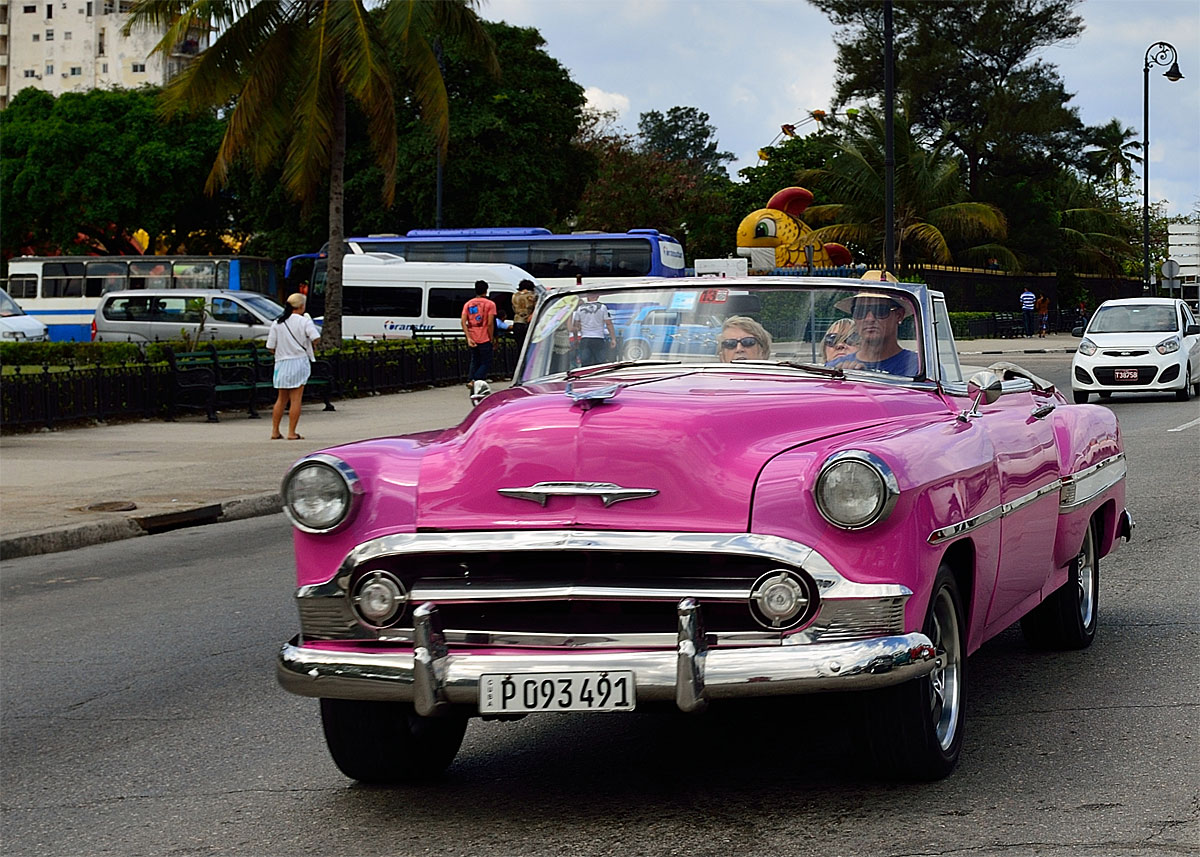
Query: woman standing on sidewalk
290,340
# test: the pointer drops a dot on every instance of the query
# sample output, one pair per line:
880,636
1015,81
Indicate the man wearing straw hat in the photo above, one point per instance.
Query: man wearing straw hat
877,317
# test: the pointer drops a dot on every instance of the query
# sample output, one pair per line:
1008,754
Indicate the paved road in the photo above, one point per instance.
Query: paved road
140,717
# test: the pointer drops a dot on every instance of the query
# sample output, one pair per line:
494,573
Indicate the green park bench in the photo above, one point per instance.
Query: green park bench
211,377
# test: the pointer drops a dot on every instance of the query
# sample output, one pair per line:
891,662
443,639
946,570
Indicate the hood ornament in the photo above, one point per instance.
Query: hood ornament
589,398
606,491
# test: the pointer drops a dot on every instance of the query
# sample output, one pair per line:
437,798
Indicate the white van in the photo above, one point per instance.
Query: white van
162,315
15,325
385,297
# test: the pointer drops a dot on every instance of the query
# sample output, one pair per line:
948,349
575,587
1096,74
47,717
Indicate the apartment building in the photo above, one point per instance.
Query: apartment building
76,45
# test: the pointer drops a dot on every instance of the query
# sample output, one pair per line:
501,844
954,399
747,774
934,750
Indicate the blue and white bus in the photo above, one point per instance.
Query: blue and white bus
553,259
63,291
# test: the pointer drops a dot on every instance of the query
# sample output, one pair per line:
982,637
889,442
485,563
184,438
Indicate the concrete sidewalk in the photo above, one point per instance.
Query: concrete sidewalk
74,487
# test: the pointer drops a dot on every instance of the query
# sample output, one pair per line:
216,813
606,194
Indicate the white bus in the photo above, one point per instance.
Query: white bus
63,291
384,296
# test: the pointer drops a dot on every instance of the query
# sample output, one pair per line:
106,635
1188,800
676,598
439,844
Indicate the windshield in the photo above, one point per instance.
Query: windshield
843,326
264,306
1133,318
8,307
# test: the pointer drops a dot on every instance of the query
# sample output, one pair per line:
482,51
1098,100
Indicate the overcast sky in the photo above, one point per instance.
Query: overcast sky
753,65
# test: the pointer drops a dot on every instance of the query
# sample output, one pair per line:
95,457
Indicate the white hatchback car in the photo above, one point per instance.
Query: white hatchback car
1136,345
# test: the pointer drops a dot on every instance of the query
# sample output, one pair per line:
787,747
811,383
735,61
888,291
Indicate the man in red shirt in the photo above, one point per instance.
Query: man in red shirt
479,324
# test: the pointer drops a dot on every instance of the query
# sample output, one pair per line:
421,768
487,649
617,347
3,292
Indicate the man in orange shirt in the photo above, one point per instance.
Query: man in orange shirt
479,325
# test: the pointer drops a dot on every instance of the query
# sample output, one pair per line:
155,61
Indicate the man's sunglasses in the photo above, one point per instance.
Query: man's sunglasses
877,310
746,341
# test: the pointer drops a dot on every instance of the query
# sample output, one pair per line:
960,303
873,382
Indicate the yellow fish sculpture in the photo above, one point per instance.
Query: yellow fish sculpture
776,237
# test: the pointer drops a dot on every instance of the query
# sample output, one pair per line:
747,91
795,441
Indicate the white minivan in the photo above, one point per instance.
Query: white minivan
385,297
162,315
15,325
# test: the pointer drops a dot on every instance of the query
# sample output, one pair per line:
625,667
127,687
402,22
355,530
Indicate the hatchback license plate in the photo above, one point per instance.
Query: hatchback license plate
1125,374
504,693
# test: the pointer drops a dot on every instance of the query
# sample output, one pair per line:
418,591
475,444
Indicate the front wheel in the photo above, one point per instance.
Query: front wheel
1185,394
388,742
1080,397
1068,618
916,728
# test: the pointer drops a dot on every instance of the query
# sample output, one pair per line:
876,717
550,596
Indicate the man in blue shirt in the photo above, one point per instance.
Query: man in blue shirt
877,318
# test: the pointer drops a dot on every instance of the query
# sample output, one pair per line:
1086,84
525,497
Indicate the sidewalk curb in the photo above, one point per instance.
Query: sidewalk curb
131,526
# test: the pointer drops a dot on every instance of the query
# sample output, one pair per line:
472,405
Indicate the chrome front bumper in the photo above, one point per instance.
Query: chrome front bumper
432,678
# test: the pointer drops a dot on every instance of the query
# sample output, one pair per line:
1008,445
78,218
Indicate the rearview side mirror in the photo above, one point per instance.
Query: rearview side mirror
1077,331
984,388
1192,330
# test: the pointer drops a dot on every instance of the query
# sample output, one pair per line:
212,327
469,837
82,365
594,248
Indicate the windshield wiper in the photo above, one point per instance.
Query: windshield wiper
815,368
584,371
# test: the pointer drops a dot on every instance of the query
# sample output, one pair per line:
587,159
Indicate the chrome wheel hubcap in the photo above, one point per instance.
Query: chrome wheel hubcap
945,682
1085,579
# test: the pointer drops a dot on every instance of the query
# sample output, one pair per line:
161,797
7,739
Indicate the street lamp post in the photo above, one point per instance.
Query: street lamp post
1159,53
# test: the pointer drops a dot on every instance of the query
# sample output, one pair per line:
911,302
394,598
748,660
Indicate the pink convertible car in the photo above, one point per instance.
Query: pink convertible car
739,513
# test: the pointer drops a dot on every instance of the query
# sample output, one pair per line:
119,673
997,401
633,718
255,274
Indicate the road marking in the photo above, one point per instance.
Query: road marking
1195,422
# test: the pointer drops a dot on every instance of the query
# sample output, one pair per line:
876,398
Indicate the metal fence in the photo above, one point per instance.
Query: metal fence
34,397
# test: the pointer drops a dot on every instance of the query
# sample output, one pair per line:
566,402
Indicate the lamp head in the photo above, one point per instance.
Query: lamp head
1173,73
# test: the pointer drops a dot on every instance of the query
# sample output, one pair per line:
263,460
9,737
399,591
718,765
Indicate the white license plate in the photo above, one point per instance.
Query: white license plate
504,693
1125,374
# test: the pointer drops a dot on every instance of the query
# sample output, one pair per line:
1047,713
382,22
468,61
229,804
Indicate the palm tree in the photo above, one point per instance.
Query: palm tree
287,68
1115,153
931,213
1092,237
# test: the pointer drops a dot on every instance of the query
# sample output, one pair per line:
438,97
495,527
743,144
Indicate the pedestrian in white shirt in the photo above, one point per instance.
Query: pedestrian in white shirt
290,340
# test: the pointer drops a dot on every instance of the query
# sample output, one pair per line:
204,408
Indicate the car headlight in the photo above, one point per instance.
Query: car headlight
855,489
1168,345
1087,347
320,493
10,334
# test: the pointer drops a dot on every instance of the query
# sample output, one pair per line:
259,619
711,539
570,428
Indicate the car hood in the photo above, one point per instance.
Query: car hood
698,439
24,324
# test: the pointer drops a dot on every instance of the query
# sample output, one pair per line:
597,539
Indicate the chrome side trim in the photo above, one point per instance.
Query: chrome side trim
608,492
943,534
1081,488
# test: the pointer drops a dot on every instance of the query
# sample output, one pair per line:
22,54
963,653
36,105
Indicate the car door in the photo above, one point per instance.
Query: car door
1021,432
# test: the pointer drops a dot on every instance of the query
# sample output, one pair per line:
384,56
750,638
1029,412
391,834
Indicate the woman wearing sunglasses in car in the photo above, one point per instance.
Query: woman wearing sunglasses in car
840,340
743,338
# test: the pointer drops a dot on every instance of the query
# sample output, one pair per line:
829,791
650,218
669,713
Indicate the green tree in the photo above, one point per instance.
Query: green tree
511,160
683,134
968,72
934,222
1115,151
633,189
288,69
84,171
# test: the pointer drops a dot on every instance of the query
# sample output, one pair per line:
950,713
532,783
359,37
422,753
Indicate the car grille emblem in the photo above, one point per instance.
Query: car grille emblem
606,491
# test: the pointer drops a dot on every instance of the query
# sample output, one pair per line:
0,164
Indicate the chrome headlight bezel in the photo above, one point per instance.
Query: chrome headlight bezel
886,489
351,491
